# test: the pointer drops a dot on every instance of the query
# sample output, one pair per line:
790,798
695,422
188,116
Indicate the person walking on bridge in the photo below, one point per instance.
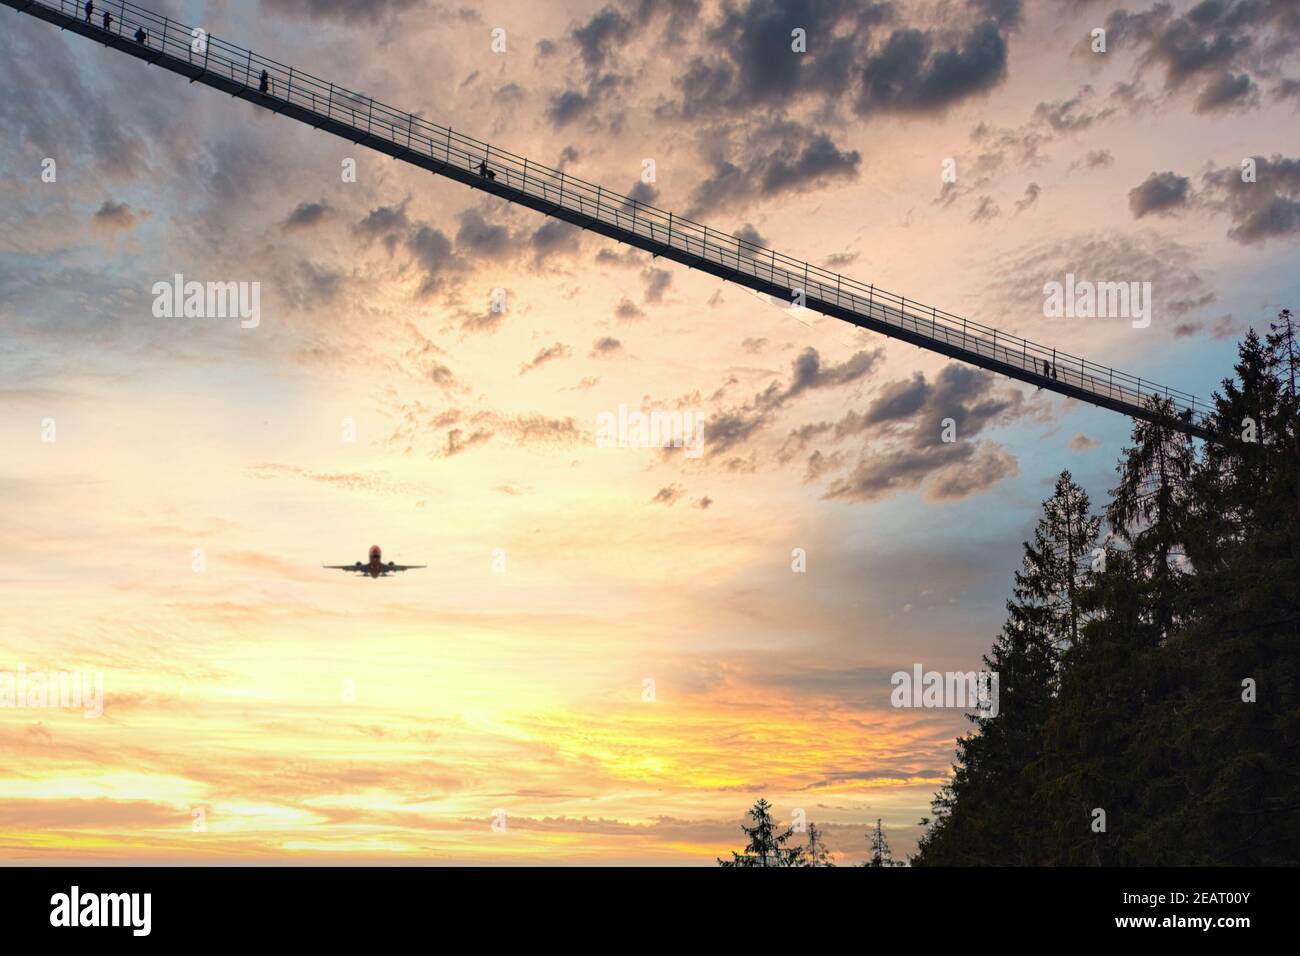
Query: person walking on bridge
108,20
90,9
265,84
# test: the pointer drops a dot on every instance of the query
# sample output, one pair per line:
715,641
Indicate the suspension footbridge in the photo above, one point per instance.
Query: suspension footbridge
193,53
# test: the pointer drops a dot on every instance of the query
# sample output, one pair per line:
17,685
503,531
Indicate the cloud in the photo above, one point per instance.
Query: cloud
608,345
1210,47
910,76
1266,209
932,425
431,251
387,224
1071,115
657,282
480,239
554,237
1095,159
595,38
1082,442
735,426
779,157
1161,194
305,215
747,233
549,354
1227,91
668,495
1030,197
628,311
112,216
986,210
343,11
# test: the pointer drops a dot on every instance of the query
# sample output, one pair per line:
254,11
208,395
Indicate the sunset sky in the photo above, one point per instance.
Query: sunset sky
316,716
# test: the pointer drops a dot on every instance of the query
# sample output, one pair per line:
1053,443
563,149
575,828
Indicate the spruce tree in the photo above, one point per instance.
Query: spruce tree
815,852
880,855
990,814
767,846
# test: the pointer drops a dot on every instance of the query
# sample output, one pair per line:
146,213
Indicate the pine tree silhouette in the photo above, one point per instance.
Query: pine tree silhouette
767,846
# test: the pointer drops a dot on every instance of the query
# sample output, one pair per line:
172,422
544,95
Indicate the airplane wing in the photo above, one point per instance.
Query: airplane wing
343,567
404,567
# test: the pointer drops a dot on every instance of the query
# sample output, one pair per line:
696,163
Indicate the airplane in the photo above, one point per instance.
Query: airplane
375,567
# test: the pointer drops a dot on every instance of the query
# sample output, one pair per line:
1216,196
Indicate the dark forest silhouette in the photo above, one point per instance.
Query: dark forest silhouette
1149,709
1150,691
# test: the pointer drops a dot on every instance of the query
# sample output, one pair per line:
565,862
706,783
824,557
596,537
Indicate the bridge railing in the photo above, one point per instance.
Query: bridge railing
370,118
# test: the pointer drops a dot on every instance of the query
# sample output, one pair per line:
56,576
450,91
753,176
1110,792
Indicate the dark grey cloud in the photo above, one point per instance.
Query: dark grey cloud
1227,91
737,425
1212,47
1007,13
1161,193
568,105
1287,89
1095,159
1268,208
554,237
1072,115
1032,192
915,432
344,11
572,104
387,224
431,250
985,210
305,215
115,215
605,346
480,239
605,30
628,311
312,285
808,371
780,157
751,61
642,192
912,74
657,282
748,234
668,495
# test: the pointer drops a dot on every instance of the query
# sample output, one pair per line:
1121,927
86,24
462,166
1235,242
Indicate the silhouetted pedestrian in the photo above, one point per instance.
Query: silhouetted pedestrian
90,9
141,36
265,84
108,20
